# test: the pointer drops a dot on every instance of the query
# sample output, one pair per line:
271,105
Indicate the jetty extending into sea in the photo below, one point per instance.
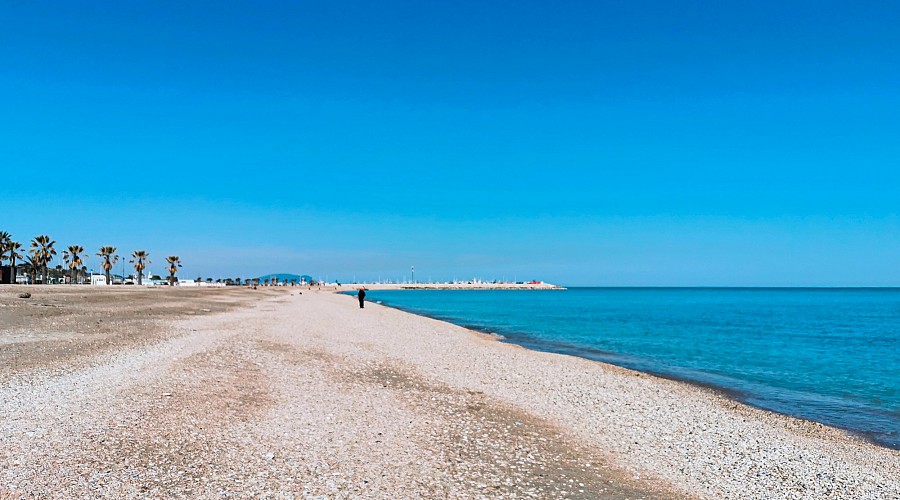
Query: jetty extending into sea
470,285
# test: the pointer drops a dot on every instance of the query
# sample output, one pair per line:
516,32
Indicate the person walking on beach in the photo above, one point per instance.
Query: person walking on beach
361,295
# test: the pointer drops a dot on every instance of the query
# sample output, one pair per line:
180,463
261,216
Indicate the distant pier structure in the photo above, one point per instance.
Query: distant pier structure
474,285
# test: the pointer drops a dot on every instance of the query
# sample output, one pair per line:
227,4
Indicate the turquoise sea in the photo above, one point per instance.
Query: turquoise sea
829,355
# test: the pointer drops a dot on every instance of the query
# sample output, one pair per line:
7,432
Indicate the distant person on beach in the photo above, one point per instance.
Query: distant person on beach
361,295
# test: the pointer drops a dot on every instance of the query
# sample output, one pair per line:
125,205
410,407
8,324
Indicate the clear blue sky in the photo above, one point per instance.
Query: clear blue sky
579,142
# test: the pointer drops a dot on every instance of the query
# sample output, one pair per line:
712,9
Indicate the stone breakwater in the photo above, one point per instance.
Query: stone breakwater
307,395
485,286
459,286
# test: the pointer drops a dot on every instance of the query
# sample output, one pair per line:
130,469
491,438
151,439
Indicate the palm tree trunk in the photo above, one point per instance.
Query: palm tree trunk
106,271
140,278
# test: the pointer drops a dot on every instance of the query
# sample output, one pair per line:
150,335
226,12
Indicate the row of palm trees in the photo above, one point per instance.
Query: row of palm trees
42,250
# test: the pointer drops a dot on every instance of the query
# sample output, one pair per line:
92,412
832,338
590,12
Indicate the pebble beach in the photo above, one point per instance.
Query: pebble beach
274,393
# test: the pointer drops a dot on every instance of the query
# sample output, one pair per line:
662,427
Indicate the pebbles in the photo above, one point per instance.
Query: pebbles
313,398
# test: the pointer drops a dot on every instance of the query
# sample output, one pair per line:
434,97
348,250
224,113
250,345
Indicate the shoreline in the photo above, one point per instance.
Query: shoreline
701,410
822,436
250,393
522,339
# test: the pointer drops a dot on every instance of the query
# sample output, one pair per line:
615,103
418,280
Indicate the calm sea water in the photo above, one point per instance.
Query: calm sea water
829,355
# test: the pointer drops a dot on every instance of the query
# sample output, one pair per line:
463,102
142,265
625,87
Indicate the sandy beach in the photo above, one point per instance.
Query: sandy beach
210,393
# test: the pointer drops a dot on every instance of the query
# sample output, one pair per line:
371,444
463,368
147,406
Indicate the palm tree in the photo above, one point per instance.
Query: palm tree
174,264
73,260
42,249
4,242
140,259
109,258
4,247
32,266
13,248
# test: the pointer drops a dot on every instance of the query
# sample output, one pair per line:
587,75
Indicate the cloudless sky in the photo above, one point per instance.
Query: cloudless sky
578,142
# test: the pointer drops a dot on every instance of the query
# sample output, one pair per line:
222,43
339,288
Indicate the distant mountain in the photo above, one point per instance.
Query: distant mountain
286,277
